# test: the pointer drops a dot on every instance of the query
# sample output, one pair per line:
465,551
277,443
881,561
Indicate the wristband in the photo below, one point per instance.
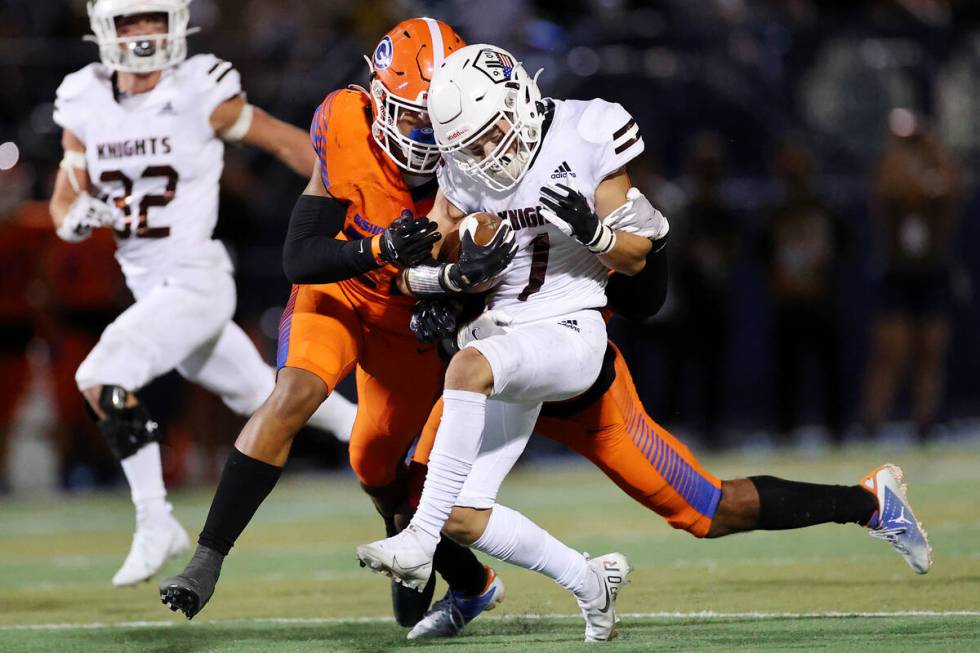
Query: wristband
425,280
603,241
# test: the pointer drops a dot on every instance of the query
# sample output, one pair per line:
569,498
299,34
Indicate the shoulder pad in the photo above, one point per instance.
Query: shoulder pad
343,114
601,121
210,79
78,82
199,64
207,73
351,104
340,133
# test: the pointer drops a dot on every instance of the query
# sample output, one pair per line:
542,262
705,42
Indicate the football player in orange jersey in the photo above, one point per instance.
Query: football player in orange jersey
356,225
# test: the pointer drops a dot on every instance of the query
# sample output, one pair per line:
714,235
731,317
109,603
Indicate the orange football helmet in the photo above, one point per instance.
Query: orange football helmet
401,68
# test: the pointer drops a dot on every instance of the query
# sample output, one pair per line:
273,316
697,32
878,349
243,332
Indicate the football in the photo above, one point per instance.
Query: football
483,226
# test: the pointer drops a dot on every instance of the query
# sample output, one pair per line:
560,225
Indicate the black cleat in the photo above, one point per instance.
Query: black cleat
190,590
410,605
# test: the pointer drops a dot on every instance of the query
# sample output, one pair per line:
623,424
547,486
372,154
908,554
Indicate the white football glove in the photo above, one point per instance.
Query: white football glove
489,323
85,214
638,216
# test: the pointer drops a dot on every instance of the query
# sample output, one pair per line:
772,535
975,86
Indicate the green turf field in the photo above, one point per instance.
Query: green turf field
293,584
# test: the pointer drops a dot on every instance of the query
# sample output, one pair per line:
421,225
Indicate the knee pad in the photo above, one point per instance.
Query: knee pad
127,429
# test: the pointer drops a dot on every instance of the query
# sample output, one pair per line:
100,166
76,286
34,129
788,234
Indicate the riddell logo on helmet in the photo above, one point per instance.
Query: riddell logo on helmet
456,134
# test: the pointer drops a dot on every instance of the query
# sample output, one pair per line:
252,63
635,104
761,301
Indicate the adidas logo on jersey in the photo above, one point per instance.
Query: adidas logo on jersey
571,324
167,110
563,171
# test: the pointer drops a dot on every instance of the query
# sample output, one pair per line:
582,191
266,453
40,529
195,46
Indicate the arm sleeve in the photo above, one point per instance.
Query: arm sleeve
312,254
640,297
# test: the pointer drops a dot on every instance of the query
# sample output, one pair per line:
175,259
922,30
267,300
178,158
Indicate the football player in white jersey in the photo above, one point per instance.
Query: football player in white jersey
555,170
508,152
143,140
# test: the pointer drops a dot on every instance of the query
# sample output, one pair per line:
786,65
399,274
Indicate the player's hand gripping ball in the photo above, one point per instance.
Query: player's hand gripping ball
485,226
487,246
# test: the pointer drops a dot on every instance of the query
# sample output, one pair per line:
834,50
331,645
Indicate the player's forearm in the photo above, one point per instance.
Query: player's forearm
61,199
296,152
287,143
628,255
311,254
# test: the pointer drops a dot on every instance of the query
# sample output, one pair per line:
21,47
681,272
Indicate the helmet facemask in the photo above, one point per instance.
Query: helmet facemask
416,152
139,53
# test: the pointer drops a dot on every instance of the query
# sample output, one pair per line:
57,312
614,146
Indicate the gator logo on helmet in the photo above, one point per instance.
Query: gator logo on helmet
497,65
383,54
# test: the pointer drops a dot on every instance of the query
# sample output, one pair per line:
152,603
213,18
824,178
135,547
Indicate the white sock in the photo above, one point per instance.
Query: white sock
455,448
513,538
335,415
144,472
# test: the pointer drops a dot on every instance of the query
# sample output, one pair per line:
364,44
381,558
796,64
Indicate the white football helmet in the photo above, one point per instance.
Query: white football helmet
142,53
485,114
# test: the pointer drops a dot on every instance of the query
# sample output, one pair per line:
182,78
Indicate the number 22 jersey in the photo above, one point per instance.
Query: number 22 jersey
156,158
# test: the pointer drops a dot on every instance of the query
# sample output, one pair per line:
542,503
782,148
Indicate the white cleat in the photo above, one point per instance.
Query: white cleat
401,557
894,521
600,614
154,543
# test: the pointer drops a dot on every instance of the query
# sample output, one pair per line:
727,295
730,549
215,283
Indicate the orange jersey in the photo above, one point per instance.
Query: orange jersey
84,276
24,236
356,171
331,329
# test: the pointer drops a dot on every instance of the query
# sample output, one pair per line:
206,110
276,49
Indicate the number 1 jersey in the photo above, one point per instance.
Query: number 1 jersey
552,274
155,157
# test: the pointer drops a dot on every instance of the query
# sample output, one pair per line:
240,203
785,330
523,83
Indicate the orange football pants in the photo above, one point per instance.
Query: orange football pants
640,456
330,330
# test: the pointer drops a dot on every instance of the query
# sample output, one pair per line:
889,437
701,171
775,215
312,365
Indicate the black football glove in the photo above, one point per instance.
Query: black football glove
433,320
408,241
479,263
567,209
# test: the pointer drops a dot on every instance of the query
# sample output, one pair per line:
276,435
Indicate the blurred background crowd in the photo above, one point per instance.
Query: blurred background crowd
816,159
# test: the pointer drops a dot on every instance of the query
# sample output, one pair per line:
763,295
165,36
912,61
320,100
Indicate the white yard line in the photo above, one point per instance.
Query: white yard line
706,615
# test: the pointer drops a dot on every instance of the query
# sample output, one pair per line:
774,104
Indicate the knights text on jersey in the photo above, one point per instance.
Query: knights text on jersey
552,273
156,157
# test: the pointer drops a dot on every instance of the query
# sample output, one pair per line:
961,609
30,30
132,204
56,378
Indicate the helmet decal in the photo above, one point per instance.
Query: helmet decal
497,65
383,54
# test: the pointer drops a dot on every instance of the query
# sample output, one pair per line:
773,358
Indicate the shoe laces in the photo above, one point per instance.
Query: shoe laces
449,611
892,536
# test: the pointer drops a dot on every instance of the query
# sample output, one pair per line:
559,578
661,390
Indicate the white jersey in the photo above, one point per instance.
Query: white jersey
552,274
157,158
